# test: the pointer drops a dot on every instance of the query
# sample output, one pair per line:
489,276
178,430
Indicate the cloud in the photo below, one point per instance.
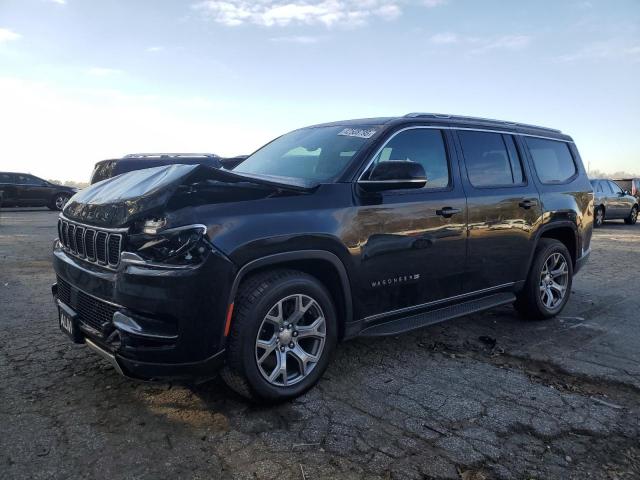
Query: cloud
269,13
302,39
434,3
505,42
607,50
7,35
155,49
444,38
102,72
479,45
59,2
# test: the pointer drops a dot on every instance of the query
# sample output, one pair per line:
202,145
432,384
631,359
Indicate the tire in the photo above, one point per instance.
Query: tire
633,216
598,217
59,201
275,294
533,302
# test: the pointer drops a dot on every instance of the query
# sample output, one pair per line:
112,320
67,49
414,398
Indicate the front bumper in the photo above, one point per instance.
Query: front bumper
149,371
148,321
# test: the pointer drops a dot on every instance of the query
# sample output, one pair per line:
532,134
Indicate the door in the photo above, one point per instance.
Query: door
33,191
410,244
621,203
8,193
504,209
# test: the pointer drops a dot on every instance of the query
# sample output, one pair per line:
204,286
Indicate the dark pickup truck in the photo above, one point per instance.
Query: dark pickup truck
355,228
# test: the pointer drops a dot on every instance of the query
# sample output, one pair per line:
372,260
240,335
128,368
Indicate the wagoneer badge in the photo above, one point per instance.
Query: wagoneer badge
388,282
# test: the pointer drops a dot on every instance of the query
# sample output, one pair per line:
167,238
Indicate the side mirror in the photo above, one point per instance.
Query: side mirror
393,175
627,192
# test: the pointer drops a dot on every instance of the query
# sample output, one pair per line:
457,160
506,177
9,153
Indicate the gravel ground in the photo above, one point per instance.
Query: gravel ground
483,397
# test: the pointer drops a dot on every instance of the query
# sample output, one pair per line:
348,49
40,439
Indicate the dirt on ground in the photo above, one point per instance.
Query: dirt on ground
488,396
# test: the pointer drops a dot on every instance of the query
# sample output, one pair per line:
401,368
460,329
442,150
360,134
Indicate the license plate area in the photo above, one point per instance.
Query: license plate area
68,322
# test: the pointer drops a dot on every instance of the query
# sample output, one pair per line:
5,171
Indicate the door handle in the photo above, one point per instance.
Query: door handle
527,204
448,211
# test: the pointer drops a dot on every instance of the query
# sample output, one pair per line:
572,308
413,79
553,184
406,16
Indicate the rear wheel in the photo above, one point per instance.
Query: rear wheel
282,336
598,215
633,216
59,201
548,284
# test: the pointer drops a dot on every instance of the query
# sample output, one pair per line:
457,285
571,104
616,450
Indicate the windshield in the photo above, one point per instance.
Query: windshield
317,154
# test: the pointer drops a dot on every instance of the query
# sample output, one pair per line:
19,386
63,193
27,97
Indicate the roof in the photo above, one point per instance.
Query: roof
461,121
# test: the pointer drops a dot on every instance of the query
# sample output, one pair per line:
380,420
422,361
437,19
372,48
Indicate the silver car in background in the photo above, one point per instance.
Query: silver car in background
611,202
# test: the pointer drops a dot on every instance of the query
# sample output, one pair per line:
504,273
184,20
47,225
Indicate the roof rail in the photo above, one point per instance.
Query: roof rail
172,155
463,118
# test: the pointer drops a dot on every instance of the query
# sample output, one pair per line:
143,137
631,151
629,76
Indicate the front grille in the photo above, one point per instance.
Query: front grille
95,245
93,312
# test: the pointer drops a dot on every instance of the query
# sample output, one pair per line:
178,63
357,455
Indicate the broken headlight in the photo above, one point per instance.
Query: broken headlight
177,246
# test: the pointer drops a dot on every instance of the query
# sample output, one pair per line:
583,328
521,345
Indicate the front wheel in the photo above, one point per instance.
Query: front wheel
633,216
59,201
548,285
282,336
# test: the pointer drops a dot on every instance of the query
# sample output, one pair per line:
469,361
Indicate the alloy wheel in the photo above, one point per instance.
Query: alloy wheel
61,201
554,279
599,217
290,340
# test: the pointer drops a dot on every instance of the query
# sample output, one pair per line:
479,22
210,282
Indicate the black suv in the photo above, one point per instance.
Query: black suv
25,190
355,228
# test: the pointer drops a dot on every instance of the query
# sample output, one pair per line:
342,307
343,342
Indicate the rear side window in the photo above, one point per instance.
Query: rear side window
492,159
552,160
7,178
421,145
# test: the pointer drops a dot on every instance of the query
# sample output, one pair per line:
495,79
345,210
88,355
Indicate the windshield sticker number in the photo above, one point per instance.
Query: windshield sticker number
358,132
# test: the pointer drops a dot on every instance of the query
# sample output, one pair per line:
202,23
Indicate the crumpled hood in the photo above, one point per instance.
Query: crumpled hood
119,200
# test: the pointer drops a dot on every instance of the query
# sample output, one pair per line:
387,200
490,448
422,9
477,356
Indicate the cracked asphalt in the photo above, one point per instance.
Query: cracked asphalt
487,396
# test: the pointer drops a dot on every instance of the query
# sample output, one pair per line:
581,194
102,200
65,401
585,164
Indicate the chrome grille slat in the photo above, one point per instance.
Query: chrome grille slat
91,244
101,247
79,241
72,238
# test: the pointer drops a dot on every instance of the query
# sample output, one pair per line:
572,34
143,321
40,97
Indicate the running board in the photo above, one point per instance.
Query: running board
419,320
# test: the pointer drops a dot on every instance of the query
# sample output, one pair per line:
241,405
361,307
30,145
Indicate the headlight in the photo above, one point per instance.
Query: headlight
176,246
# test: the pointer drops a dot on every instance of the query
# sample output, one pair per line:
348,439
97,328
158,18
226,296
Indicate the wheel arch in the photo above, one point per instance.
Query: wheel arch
325,266
564,231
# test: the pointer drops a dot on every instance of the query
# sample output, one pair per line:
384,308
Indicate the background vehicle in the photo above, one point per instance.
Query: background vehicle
110,168
26,190
631,185
357,228
611,202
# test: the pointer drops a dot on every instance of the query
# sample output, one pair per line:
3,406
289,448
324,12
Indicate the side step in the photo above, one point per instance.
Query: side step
423,319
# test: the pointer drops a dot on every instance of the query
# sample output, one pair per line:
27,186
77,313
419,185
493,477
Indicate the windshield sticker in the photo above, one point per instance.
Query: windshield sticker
358,132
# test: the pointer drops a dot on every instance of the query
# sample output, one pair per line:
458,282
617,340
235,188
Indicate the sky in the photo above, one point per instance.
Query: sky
85,80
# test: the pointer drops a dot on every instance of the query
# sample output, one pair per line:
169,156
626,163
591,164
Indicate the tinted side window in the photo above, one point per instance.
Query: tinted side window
552,160
7,178
491,158
614,187
421,145
28,180
606,188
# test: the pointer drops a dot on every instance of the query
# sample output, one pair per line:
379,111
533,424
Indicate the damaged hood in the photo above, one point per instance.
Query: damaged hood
119,200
